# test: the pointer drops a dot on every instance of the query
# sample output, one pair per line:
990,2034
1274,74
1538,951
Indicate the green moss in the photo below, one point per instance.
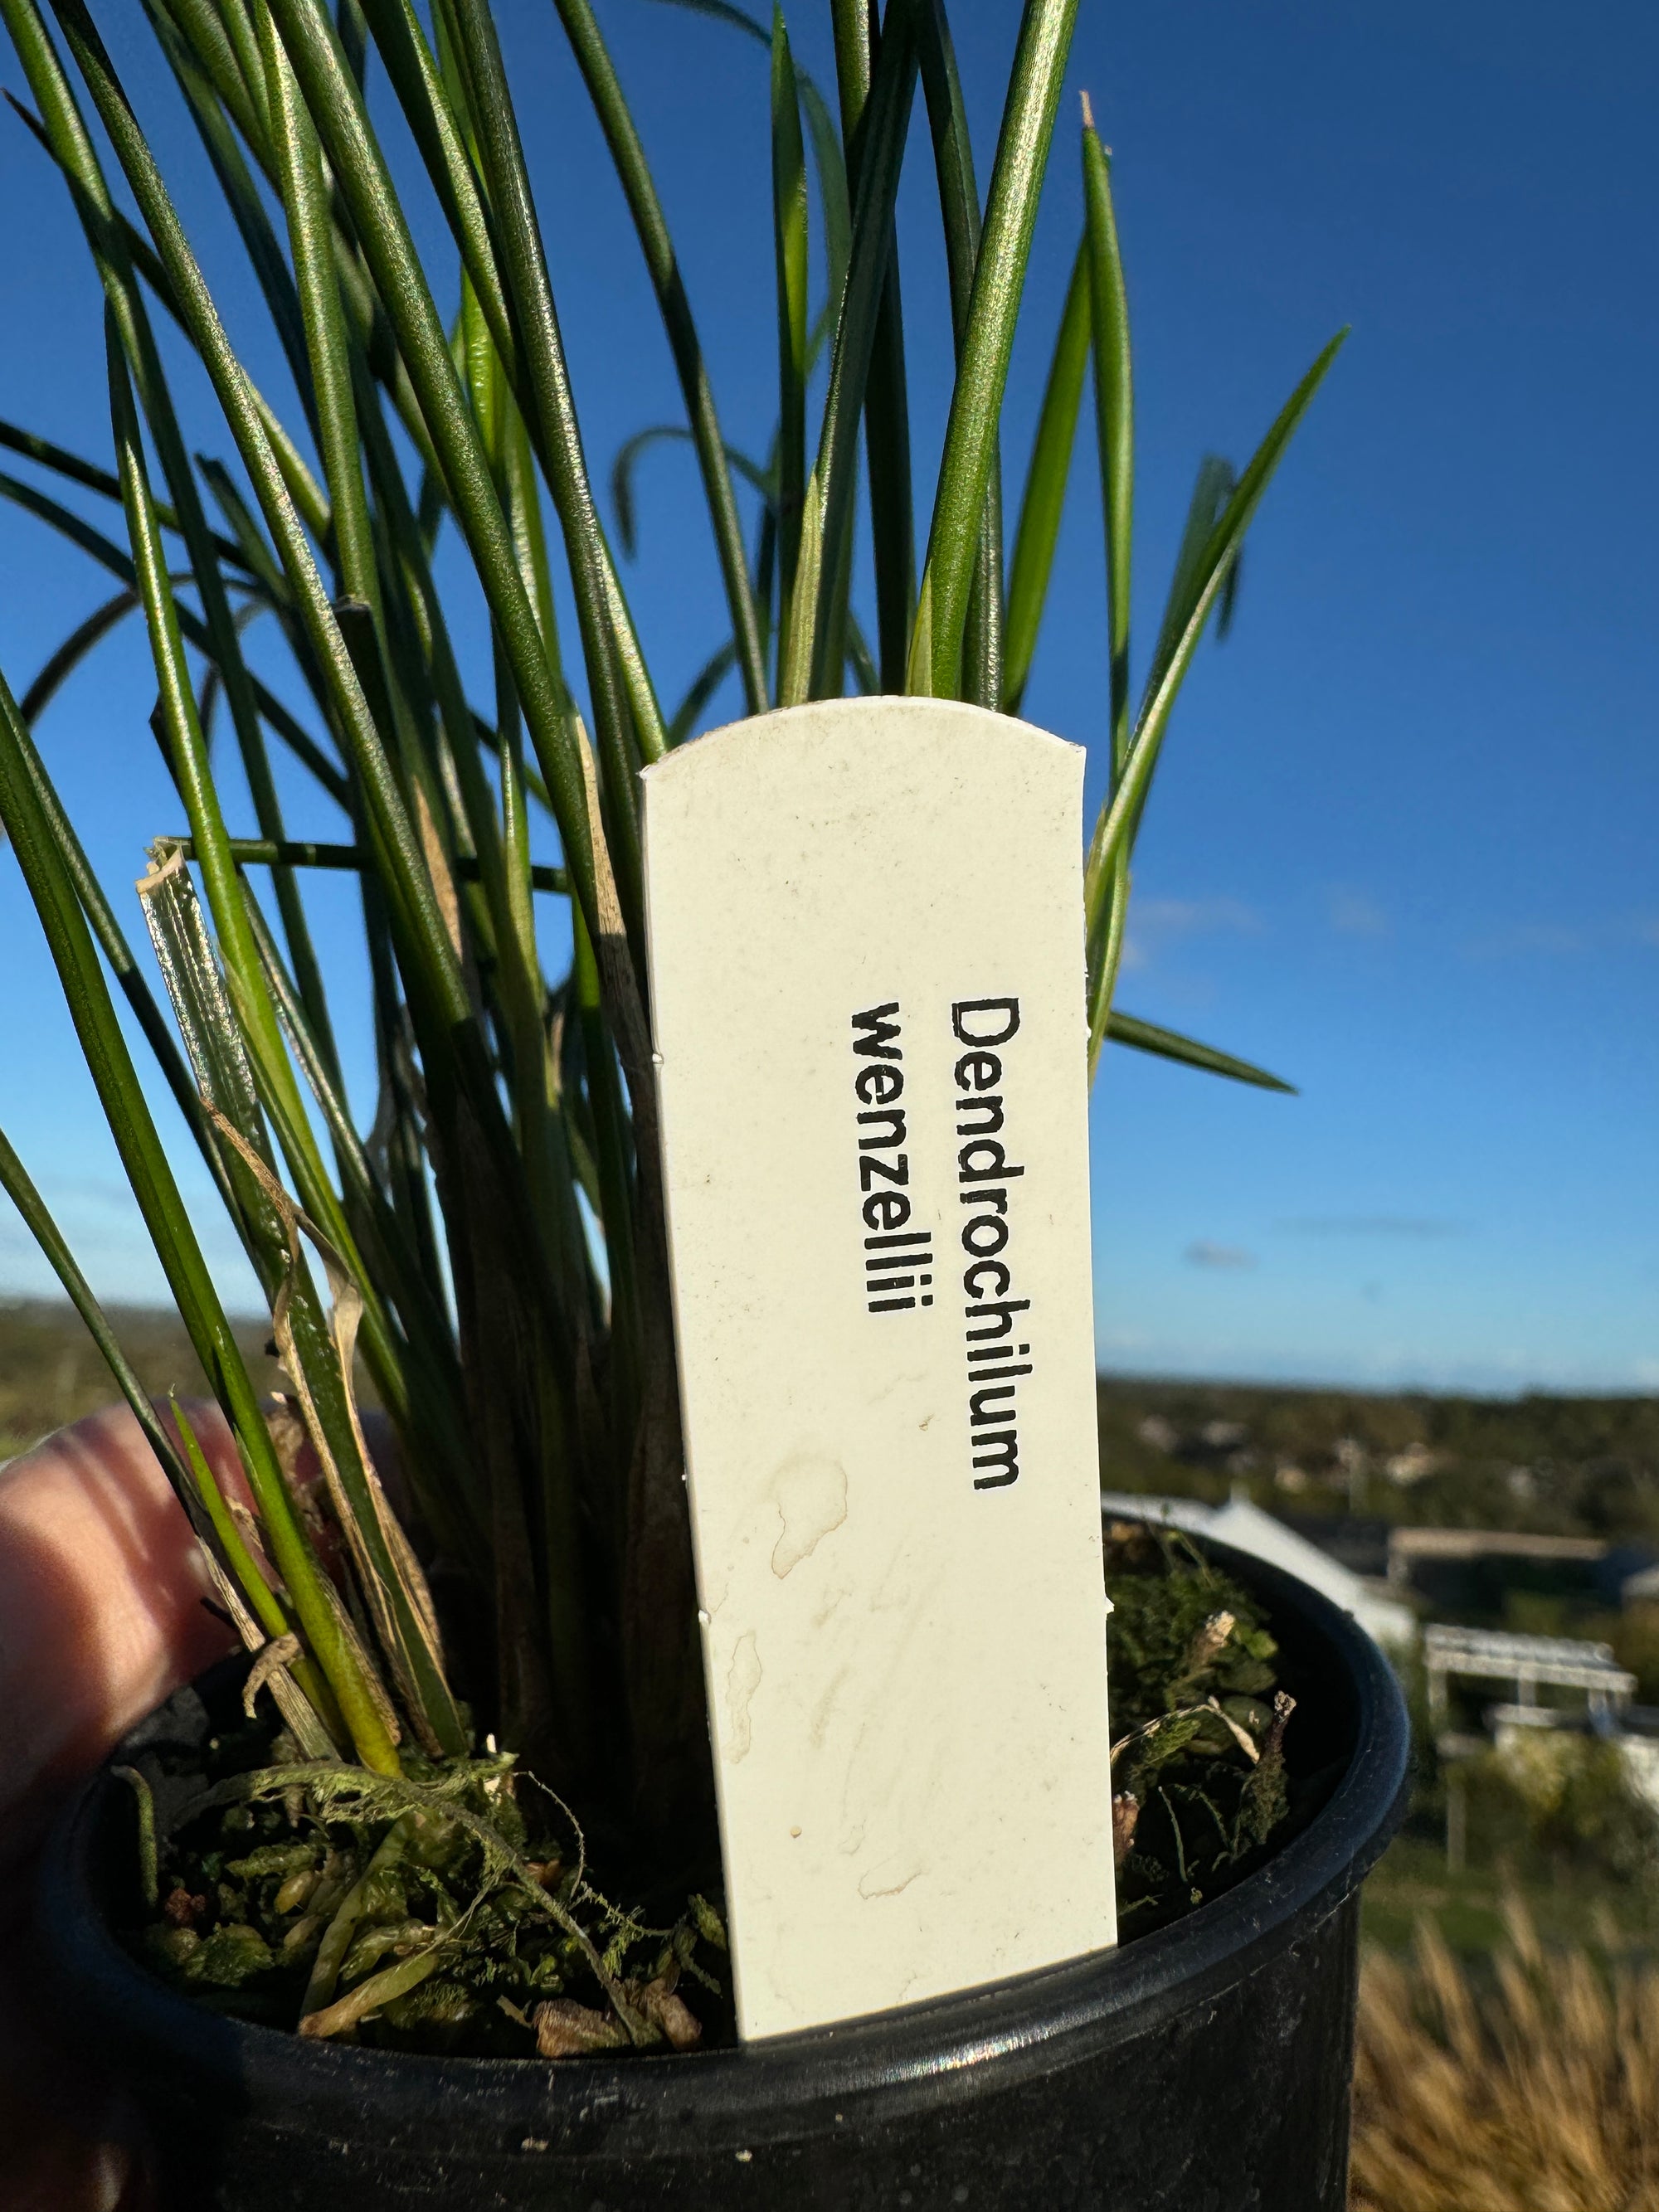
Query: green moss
231,1954
294,1866
1199,1774
333,1869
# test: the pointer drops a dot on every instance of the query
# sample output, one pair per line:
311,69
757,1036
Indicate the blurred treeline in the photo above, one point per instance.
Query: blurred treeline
51,1371
1557,1466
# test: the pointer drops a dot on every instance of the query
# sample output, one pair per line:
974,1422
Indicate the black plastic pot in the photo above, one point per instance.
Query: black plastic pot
1202,2068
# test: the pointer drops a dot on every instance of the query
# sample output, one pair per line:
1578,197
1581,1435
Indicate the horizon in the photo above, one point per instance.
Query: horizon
59,1309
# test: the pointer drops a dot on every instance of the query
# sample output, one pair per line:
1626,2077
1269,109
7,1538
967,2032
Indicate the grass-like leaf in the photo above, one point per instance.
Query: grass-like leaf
1044,495
713,456
1170,1044
74,470
886,404
1213,488
1118,815
83,640
789,252
959,209
970,437
698,693
1108,312
813,630
168,1224
628,455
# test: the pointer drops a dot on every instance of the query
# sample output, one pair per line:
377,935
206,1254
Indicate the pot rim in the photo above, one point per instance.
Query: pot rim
922,2054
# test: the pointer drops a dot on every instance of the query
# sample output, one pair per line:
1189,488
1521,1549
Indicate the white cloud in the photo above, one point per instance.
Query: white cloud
1563,939
1155,924
1357,915
1205,1254
1526,937
1375,1224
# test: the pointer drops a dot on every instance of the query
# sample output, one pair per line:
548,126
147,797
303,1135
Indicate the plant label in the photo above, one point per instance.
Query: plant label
867,969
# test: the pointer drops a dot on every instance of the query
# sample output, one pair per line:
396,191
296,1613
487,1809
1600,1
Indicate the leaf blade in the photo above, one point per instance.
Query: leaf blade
1037,532
1108,318
959,208
1118,815
651,226
954,538
789,262
1170,1044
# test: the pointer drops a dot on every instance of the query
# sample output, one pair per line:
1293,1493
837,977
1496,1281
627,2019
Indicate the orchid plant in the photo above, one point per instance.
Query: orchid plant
486,1255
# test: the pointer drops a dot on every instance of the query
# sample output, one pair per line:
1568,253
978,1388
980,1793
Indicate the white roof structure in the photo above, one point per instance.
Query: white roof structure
1247,1528
1498,1655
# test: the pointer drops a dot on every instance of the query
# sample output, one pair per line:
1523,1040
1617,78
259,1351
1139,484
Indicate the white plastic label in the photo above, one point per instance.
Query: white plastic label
866,966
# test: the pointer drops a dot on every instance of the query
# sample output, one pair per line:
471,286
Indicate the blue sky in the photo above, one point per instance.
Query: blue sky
1403,845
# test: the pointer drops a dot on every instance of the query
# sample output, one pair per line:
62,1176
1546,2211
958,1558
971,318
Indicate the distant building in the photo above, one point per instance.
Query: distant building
1411,1549
1412,1465
1486,1654
1467,1570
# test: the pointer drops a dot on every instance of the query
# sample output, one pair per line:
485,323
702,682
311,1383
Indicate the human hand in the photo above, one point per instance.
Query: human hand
104,1612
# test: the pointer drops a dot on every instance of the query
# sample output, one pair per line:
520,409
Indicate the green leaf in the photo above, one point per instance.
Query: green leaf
651,225
256,555
124,307
1109,320
542,386
861,661
255,1610
60,666
829,647
722,11
1044,495
408,880
1114,419
834,205
960,208
628,455
241,194
110,556
789,254
88,473
325,376
887,402
304,852
225,49
1121,810
701,689
187,753
812,631
1211,490
1105,952
19,1187
168,1222
1168,1044
615,1173
955,540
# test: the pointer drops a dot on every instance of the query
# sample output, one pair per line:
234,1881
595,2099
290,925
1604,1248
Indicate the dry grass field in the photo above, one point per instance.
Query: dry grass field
1532,2085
